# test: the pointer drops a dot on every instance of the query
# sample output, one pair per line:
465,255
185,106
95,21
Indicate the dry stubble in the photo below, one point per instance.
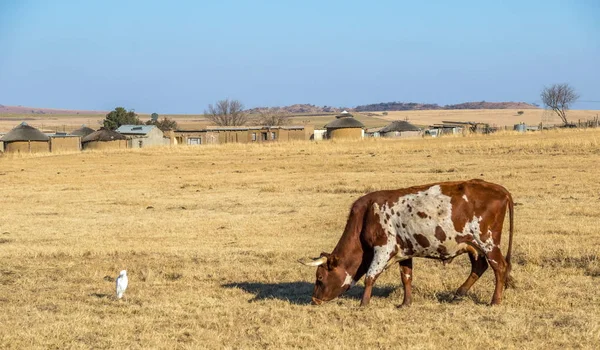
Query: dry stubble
210,237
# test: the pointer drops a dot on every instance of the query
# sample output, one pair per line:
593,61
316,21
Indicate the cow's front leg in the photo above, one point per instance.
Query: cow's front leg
369,281
406,275
380,258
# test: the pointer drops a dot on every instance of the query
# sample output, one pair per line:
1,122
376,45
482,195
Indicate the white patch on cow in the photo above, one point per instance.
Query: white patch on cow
474,228
380,258
465,198
407,275
349,281
420,214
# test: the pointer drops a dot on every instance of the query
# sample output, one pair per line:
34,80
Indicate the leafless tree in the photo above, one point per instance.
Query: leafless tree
272,117
227,113
559,97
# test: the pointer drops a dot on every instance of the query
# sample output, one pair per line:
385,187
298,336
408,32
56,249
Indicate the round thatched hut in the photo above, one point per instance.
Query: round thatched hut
25,138
104,139
345,127
400,128
83,131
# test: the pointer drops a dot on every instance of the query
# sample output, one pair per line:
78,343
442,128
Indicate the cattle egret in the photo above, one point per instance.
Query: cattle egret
121,284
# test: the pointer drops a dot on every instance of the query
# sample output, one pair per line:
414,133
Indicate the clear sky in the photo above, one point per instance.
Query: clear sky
179,56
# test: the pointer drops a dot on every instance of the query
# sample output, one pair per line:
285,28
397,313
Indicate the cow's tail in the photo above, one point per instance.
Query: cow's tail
509,281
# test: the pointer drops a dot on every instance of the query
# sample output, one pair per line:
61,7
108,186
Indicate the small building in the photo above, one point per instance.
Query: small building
319,134
442,129
83,131
373,132
139,136
400,129
104,139
345,127
63,142
25,139
241,134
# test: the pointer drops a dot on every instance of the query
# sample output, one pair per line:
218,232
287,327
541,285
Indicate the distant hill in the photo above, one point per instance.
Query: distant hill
298,109
391,106
492,105
396,106
50,111
411,106
305,109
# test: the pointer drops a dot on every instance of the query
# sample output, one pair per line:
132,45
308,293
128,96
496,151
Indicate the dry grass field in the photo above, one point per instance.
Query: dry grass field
210,237
495,117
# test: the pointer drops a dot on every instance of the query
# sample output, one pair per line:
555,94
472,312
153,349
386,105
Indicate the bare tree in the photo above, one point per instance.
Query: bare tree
559,97
227,113
272,117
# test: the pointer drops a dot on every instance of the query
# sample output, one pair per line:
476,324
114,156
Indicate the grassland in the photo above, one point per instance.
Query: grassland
495,117
210,236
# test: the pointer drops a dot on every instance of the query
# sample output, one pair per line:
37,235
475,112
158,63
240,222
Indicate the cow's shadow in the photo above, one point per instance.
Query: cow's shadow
298,293
450,297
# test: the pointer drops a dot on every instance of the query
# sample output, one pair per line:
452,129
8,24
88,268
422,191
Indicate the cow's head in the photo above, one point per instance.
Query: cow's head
332,280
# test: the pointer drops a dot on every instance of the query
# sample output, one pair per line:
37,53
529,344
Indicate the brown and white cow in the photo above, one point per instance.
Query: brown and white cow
440,221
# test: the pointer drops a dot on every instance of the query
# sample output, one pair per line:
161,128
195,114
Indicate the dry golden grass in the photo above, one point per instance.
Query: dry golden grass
210,236
495,117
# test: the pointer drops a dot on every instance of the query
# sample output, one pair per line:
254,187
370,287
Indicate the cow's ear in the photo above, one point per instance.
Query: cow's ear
332,261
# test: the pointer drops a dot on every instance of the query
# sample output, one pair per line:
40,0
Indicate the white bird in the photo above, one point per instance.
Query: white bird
121,284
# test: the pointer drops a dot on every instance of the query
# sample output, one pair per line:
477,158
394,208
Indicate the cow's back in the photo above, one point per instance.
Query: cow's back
439,220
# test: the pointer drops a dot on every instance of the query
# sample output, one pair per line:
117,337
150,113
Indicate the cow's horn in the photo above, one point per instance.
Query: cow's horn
313,262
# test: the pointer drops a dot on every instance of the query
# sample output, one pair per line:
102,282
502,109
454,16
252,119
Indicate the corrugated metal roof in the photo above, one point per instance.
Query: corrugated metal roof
135,129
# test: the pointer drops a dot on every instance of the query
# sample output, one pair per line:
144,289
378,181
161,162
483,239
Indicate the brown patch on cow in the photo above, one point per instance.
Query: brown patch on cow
462,212
485,234
403,225
422,240
409,208
387,216
422,215
443,251
409,245
440,234
464,239
393,211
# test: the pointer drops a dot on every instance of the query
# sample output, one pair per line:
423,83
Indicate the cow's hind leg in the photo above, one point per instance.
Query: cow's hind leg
478,266
498,264
406,275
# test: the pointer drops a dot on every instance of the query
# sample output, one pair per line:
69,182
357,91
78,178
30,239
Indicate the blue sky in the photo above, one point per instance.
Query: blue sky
179,56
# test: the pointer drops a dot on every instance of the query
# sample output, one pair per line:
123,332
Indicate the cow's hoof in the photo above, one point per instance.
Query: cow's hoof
458,298
402,306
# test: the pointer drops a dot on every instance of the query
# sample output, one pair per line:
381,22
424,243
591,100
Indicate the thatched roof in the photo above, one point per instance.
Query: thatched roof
103,135
83,131
343,122
24,132
399,125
